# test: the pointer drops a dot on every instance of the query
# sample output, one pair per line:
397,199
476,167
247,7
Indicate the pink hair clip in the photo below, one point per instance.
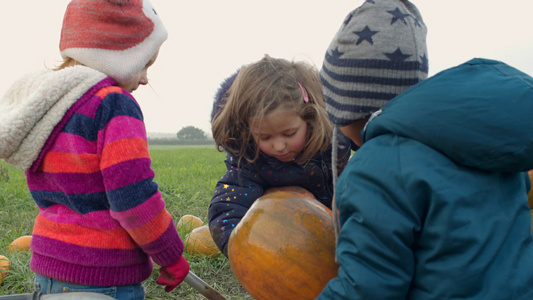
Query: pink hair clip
304,92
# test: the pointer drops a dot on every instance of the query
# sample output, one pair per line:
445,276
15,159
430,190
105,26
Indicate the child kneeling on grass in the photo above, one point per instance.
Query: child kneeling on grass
271,120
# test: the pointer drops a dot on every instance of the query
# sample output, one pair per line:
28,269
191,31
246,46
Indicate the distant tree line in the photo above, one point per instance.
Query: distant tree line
188,135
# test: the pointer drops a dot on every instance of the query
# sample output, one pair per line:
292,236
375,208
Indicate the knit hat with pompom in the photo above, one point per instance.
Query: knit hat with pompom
116,37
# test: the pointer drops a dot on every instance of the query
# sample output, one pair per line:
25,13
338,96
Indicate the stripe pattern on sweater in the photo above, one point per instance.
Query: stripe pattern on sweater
101,215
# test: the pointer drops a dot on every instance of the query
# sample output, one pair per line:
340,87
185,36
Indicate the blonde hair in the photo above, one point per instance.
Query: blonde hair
258,89
67,62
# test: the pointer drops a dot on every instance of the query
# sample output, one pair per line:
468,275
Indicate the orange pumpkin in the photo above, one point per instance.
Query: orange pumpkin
284,247
20,244
200,242
4,266
187,223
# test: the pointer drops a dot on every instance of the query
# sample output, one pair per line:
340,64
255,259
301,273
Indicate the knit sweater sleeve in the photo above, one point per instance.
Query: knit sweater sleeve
134,199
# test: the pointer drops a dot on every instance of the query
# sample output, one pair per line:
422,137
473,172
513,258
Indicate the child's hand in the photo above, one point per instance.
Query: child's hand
171,276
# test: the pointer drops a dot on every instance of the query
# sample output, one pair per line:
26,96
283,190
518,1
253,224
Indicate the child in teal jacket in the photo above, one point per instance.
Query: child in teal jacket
434,203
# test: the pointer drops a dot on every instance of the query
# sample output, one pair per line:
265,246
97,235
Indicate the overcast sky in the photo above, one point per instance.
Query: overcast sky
209,40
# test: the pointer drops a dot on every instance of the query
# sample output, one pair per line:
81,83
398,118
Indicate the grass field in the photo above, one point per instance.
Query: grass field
186,176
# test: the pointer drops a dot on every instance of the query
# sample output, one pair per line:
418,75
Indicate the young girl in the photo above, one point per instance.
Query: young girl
271,120
79,135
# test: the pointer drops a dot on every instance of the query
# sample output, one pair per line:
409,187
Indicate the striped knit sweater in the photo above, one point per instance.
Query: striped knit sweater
101,217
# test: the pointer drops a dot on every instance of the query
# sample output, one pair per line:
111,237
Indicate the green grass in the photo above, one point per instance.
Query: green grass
186,176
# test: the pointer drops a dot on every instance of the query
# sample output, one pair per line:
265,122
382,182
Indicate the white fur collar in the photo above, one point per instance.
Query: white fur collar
34,105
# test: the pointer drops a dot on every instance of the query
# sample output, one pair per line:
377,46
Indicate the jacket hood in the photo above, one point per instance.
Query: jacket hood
222,94
479,114
34,105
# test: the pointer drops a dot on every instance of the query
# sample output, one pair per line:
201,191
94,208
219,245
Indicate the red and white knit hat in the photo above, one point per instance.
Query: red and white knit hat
116,37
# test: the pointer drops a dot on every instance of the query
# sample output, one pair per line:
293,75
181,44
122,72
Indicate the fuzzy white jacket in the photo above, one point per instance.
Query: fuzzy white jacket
34,105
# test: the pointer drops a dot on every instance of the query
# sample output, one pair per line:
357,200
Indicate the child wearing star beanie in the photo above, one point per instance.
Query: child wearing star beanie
78,134
379,52
429,206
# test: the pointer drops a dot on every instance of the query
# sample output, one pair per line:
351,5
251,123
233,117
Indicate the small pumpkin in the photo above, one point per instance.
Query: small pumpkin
20,244
187,223
200,242
284,247
4,267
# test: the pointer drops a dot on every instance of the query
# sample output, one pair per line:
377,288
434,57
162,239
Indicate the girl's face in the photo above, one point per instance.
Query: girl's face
282,134
141,78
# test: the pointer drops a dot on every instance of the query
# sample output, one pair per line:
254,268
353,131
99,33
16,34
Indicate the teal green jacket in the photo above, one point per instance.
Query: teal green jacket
434,204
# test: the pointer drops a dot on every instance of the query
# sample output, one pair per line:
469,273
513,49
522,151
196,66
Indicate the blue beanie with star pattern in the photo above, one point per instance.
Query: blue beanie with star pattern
378,52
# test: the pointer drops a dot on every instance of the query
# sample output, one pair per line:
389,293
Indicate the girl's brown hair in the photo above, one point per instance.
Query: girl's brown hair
258,89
